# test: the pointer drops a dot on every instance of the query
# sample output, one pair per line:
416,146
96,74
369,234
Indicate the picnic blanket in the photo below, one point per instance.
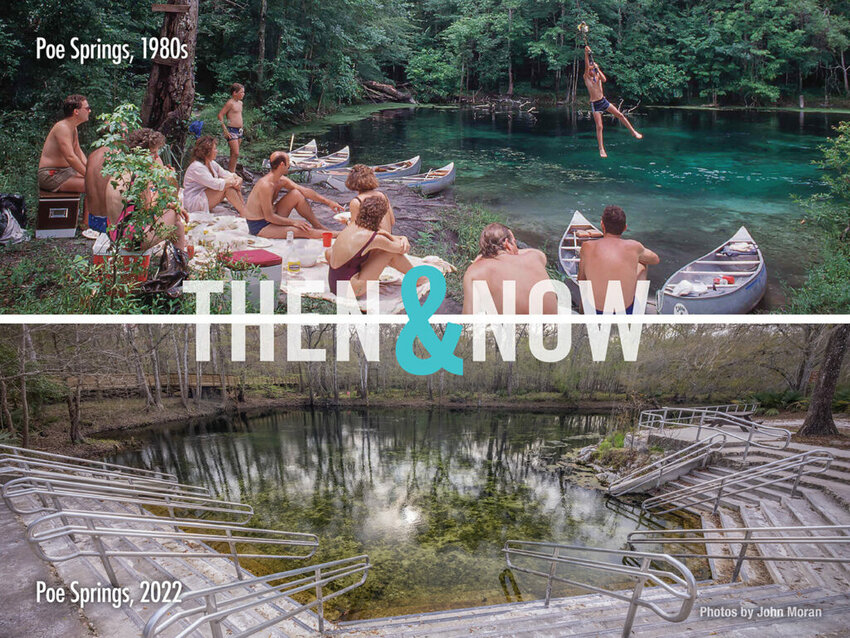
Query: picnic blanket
210,233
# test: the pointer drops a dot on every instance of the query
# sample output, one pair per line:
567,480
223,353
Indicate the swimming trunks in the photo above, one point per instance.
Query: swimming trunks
256,225
349,268
629,310
235,133
599,106
51,178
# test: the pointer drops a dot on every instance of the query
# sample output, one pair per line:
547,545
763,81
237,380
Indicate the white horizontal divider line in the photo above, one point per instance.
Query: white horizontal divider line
318,319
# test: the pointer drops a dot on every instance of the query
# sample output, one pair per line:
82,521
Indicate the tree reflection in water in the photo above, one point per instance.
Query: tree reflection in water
430,495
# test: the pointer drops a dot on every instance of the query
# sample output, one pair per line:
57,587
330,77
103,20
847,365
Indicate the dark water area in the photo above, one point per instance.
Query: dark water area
431,496
695,178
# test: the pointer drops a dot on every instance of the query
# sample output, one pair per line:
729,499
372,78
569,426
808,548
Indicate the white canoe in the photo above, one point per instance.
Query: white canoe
579,231
729,280
302,153
382,171
429,183
334,160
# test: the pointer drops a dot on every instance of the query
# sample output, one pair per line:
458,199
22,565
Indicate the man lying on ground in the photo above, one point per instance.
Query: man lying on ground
120,217
613,258
501,260
267,219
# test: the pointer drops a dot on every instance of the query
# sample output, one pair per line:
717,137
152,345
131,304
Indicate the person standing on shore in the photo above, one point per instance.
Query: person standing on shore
230,117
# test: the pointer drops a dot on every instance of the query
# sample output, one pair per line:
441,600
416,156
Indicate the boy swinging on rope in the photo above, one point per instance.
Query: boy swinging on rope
593,80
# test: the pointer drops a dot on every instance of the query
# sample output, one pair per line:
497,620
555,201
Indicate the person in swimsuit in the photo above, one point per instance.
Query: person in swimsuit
267,219
594,78
230,117
62,166
206,184
364,182
120,222
501,260
362,250
612,258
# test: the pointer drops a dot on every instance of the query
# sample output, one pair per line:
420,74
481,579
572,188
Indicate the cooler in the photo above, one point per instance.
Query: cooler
57,214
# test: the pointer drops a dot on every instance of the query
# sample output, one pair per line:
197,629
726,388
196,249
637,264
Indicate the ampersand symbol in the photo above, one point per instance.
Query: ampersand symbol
441,350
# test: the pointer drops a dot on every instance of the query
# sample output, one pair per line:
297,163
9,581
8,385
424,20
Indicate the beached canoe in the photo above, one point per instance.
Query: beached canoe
382,171
429,183
730,280
579,231
334,160
302,153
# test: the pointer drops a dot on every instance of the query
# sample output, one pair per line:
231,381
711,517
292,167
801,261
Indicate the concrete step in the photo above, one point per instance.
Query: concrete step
782,572
819,574
832,511
750,571
775,491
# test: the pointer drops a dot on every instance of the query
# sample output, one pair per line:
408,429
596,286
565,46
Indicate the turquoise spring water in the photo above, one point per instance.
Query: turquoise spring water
431,496
694,179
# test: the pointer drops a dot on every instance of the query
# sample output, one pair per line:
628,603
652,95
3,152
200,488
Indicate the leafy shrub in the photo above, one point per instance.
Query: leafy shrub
433,75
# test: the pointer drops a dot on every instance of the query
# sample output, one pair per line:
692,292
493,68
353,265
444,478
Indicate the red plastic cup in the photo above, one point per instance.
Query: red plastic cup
327,238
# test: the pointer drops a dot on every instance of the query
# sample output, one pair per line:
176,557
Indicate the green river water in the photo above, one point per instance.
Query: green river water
431,496
694,179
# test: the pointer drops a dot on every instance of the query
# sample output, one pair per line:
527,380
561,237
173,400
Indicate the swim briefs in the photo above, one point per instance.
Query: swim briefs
600,106
256,225
235,133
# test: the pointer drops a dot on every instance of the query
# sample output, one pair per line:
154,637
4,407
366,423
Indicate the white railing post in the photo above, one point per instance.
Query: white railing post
552,567
741,556
719,493
630,617
101,550
215,623
320,608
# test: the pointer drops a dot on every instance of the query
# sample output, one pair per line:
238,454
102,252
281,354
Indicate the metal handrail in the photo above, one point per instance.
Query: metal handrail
99,526
51,493
773,473
212,609
748,536
733,408
643,574
699,451
18,466
705,418
100,465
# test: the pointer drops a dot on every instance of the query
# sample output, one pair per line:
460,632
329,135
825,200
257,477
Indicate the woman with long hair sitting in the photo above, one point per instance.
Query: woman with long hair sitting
206,184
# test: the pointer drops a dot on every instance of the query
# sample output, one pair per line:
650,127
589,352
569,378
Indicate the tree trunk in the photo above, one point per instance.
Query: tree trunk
141,377
261,49
5,414
157,381
811,337
510,66
25,408
844,68
171,86
819,421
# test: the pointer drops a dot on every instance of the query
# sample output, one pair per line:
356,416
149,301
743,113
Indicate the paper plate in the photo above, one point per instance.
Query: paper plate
390,276
344,217
258,242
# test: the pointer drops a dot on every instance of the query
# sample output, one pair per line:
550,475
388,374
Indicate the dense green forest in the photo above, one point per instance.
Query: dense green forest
297,55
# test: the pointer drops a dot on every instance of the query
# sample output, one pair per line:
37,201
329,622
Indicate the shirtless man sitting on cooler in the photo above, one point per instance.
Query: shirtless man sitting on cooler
62,166
265,219
502,260
594,78
613,258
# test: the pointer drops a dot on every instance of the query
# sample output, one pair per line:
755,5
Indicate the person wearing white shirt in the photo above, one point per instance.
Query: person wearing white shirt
206,184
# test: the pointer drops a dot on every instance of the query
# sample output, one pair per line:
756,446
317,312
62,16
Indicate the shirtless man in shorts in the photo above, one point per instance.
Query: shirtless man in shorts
265,219
502,260
62,166
230,117
594,78
613,258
